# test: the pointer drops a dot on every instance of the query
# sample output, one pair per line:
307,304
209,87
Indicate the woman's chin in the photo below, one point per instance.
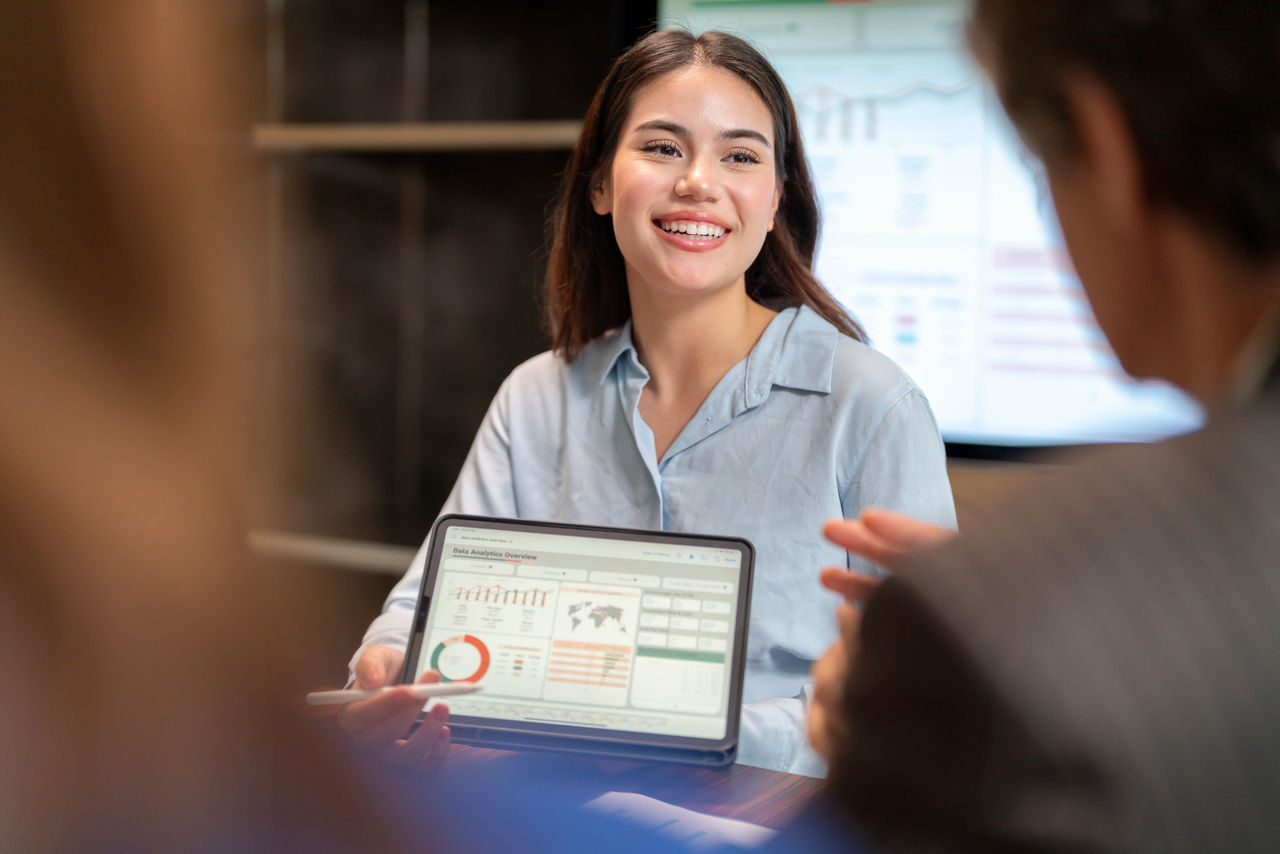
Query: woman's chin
696,290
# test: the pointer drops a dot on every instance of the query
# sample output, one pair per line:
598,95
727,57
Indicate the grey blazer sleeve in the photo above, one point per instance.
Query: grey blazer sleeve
1095,668
936,760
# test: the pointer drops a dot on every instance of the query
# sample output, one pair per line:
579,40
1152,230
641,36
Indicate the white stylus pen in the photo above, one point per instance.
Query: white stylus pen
422,692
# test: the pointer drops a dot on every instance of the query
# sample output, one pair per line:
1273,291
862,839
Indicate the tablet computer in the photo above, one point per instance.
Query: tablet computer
606,641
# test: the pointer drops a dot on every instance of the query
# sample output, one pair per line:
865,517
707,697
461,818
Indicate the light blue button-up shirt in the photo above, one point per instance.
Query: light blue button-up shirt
810,426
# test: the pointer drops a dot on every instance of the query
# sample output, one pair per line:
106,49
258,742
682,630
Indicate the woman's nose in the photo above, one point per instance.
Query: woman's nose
697,182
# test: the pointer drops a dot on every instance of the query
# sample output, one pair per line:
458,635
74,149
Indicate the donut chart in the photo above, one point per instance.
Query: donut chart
463,658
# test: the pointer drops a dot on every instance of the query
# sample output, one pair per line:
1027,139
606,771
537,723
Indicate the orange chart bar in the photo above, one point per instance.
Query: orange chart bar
612,683
594,647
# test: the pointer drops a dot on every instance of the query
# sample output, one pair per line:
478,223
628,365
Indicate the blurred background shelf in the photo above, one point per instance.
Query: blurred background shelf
417,136
410,154
407,154
333,552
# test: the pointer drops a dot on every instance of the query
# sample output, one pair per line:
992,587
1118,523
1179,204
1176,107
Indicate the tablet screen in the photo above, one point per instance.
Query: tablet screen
597,628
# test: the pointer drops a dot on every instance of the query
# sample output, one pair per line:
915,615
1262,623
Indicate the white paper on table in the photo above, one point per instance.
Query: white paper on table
695,829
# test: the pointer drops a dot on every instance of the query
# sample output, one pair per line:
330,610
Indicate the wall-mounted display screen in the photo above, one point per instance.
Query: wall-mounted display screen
938,235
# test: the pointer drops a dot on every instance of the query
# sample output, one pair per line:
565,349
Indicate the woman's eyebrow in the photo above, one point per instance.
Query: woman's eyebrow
680,130
745,133
663,125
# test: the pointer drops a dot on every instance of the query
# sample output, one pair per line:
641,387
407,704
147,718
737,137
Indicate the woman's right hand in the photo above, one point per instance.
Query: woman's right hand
381,722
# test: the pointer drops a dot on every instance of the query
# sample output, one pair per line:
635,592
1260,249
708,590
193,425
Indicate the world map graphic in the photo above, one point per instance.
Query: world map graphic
599,615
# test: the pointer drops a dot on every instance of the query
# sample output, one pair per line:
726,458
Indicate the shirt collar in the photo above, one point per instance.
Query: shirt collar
797,350
603,353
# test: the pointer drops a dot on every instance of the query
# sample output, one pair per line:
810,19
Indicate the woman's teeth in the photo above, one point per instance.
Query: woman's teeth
696,230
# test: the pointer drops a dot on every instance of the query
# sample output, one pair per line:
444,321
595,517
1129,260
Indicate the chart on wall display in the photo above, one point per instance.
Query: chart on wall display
937,233
640,638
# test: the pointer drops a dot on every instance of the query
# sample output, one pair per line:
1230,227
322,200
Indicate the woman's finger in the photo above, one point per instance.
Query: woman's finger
415,749
380,720
378,666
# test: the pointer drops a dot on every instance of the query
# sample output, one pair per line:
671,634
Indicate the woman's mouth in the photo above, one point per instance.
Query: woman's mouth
688,228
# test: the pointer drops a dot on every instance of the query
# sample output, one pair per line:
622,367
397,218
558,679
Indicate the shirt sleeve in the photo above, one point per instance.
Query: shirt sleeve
903,469
485,487
774,734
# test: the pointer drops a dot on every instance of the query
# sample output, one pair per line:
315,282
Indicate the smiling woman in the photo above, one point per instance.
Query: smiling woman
586,275
701,380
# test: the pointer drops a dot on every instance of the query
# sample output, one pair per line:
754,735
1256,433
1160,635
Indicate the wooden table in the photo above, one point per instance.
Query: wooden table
769,798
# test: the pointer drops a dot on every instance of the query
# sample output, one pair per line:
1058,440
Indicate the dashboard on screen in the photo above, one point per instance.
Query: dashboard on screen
937,234
630,634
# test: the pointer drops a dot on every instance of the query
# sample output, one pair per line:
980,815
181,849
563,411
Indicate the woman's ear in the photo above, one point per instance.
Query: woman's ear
777,200
601,198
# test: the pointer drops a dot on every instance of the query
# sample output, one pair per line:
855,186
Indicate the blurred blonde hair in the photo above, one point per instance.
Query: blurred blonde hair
144,669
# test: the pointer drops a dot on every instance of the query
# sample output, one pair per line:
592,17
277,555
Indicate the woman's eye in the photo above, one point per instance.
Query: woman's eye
661,147
742,157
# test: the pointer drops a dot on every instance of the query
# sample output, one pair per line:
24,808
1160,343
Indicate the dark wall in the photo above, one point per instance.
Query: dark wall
408,286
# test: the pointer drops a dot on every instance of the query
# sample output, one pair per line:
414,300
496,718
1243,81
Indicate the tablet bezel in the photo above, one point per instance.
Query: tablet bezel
508,734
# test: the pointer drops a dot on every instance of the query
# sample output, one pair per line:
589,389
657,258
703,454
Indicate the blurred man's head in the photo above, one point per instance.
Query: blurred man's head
1158,122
